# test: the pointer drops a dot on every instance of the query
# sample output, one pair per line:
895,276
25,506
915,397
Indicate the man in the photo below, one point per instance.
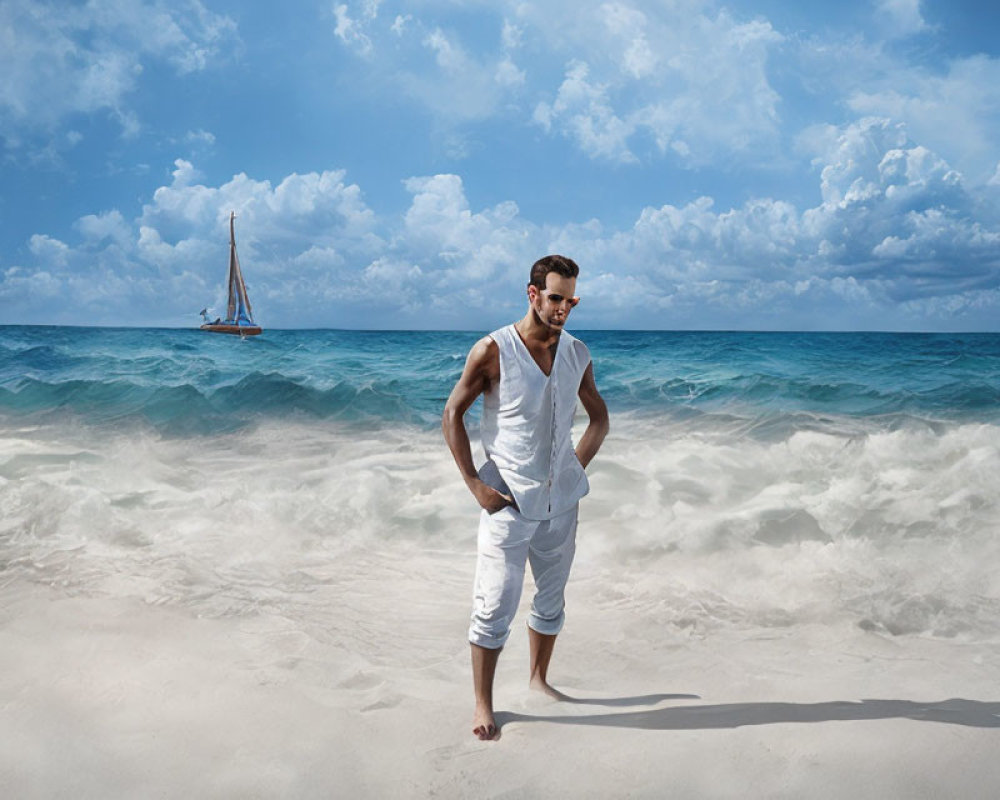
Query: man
530,375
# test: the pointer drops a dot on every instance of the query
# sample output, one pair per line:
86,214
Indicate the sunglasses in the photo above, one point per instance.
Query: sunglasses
558,298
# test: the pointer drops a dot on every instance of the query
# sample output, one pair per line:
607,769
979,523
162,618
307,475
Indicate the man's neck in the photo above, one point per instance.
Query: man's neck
531,327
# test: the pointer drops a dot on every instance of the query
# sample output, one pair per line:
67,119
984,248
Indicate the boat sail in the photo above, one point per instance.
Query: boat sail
239,313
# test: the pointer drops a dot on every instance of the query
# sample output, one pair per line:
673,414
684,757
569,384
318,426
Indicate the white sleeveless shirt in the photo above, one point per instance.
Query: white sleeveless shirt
527,422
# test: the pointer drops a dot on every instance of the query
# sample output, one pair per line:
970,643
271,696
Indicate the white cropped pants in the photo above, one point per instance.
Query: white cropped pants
506,541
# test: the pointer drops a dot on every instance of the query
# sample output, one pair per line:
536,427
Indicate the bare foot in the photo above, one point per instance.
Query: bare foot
539,684
484,725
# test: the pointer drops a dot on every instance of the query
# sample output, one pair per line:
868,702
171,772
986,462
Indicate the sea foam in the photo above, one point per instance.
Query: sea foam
893,530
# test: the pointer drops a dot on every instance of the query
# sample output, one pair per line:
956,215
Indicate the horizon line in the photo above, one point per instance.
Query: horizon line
477,330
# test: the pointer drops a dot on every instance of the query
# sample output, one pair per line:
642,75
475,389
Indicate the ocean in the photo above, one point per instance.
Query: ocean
751,481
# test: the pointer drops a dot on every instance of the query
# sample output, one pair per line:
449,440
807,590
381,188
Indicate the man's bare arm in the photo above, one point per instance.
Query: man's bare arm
599,423
482,368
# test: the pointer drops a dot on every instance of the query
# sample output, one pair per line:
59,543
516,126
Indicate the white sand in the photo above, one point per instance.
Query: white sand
113,697
730,617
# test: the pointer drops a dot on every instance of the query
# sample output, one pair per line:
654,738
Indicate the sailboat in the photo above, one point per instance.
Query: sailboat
239,313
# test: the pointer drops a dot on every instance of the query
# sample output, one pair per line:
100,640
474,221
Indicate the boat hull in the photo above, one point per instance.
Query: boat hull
239,330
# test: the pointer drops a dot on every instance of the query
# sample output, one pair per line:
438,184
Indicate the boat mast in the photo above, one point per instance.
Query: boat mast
234,266
239,303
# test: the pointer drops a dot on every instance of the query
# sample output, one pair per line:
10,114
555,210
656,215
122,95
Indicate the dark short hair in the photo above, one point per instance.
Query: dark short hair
558,264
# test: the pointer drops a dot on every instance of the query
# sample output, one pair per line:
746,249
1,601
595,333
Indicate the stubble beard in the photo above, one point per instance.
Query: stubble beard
549,323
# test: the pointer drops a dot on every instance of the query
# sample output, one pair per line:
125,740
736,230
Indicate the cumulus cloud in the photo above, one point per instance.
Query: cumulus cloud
459,245
895,210
313,254
48,250
956,113
296,240
896,239
950,104
111,225
60,60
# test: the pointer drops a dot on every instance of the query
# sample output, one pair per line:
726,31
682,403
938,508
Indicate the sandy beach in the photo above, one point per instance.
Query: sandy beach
144,652
117,698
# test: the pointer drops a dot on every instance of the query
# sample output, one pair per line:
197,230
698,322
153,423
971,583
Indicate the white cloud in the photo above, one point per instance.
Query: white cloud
511,35
400,23
637,80
456,246
401,278
185,174
901,204
897,239
950,105
508,74
296,241
96,228
351,31
896,234
716,100
956,113
61,60
460,86
449,57
900,18
582,111
630,25
31,290
49,250
200,138
691,79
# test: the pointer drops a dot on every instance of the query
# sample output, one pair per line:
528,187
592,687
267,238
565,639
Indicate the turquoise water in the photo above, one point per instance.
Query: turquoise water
185,382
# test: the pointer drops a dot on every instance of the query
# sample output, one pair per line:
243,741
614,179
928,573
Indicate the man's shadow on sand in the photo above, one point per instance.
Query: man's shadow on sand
971,713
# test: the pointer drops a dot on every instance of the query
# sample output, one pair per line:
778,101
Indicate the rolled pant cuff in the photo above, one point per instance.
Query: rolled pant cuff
548,627
488,641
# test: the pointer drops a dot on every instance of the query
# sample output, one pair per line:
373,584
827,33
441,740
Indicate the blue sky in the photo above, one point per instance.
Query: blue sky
744,165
